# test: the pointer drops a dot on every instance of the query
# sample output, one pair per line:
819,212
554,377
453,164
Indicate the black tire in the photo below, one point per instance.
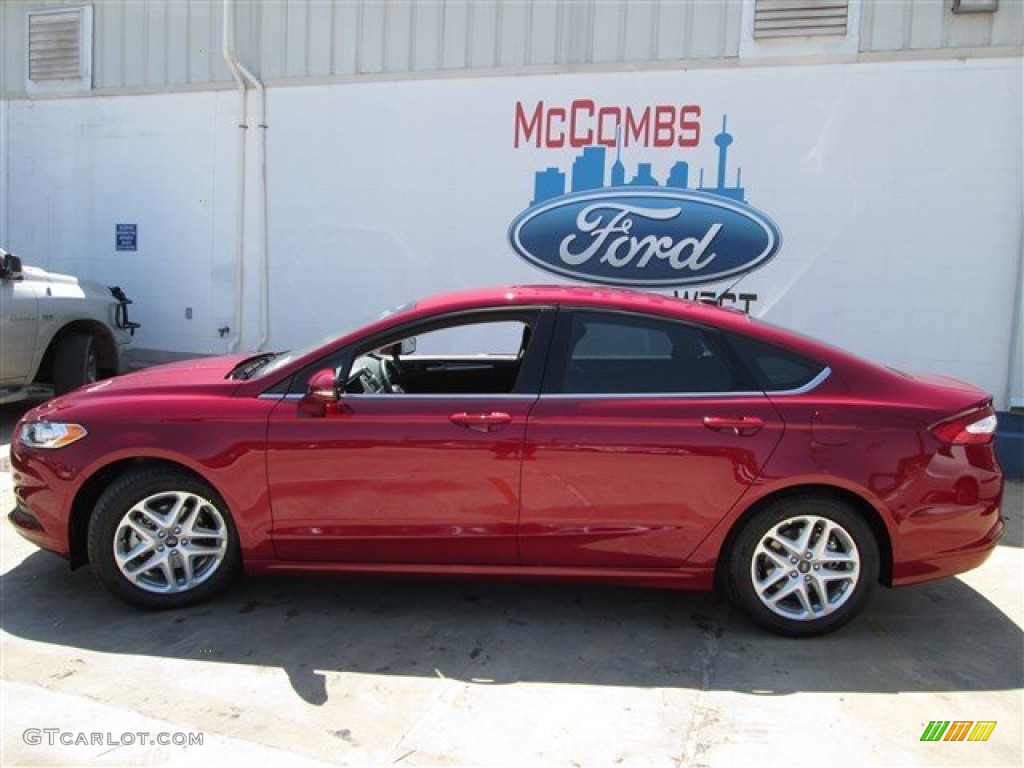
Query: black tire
74,362
808,591
185,506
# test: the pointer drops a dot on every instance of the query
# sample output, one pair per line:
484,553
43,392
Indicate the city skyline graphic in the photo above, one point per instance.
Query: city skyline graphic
589,173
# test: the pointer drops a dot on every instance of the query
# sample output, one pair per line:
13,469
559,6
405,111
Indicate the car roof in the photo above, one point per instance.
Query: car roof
624,299
586,296
597,297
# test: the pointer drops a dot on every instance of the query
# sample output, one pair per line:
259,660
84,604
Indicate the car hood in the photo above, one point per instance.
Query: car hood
66,285
200,375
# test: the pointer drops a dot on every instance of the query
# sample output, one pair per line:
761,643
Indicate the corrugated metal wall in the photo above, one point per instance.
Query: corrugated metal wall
300,39
162,43
921,24
158,43
154,44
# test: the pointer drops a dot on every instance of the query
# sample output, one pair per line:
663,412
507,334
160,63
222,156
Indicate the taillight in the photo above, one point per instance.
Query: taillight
975,428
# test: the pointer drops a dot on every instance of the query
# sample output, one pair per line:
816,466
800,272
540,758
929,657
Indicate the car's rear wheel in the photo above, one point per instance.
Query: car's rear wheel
804,566
75,362
162,538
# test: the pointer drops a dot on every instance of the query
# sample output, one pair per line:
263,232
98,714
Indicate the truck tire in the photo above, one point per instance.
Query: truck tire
74,363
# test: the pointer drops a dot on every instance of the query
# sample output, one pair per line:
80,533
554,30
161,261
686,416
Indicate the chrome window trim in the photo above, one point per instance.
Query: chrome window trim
649,395
808,387
812,384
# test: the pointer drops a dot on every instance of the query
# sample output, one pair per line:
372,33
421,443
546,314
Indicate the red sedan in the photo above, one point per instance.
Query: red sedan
539,432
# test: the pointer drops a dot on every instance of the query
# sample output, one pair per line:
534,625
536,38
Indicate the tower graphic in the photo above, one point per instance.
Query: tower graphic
723,141
547,184
588,169
588,173
618,169
679,176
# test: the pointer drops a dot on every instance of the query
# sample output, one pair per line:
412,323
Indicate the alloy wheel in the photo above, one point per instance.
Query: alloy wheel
805,567
170,542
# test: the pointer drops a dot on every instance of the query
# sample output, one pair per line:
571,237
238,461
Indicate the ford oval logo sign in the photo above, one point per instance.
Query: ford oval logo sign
650,238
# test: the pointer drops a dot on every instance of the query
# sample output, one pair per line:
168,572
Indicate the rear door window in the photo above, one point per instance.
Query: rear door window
612,353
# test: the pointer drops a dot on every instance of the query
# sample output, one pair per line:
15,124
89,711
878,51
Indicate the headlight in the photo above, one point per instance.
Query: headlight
45,434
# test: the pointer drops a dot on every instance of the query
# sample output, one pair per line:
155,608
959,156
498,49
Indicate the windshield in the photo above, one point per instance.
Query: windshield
275,362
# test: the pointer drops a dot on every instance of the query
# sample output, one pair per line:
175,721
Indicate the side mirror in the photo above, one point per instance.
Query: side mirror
403,347
321,394
323,388
10,269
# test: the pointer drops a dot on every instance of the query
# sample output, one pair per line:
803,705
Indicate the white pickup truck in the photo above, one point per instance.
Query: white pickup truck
57,332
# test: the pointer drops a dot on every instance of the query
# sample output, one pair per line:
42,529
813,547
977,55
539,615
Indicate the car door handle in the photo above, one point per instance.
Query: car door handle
740,425
481,422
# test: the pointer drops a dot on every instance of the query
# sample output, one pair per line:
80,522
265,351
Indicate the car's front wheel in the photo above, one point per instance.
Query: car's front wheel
803,566
162,538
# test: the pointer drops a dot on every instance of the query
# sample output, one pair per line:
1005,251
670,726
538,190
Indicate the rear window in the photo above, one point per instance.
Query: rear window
775,369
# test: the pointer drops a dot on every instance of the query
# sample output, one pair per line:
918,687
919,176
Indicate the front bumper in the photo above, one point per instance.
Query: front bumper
41,491
30,528
28,525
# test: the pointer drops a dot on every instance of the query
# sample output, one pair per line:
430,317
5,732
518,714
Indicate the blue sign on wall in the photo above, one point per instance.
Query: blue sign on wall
602,228
126,237
645,238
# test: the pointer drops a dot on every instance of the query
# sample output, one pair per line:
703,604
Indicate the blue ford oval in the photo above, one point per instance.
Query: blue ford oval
653,238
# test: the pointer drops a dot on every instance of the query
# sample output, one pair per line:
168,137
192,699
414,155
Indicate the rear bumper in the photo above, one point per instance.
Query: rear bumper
944,564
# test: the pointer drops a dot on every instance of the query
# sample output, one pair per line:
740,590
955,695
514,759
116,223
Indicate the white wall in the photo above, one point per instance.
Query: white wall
896,186
78,167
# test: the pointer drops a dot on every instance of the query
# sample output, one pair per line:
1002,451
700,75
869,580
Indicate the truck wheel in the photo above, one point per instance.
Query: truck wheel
74,363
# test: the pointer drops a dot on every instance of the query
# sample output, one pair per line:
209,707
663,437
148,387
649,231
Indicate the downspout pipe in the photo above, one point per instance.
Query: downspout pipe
264,263
5,235
246,80
228,51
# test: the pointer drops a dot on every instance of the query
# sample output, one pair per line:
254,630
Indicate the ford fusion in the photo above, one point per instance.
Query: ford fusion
536,432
